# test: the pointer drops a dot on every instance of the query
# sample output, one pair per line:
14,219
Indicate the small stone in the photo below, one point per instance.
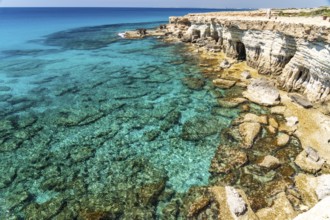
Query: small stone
291,121
249,131
273,122
245,108
225,64
223,83
282,139
270,162
246,75
235,201
271,129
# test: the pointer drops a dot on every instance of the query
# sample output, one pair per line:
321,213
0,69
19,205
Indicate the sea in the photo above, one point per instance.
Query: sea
95,126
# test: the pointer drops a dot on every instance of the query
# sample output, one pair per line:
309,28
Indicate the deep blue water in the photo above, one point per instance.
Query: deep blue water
20,24
88,120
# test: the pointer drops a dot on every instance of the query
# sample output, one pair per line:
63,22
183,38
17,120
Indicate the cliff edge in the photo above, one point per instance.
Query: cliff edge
293,50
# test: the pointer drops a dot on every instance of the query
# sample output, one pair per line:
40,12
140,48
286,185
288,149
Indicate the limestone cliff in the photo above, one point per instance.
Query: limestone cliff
294,51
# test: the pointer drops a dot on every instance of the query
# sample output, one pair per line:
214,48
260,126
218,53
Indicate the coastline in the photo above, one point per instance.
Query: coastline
307,119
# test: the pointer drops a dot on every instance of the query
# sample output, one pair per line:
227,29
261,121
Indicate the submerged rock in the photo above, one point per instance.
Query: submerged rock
270,162
194,83
197,128
231,103
263,92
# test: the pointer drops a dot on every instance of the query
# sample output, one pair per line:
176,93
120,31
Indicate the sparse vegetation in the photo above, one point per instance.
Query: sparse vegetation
323,11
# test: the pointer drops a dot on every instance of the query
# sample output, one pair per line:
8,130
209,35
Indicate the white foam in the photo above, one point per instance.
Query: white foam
122,35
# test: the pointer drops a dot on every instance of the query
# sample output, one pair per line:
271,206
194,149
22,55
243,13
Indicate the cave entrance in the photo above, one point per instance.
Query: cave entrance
241,52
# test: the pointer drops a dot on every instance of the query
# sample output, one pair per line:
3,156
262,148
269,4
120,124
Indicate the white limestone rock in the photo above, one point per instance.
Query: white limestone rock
235,202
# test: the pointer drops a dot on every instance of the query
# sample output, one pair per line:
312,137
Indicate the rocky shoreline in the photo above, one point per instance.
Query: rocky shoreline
273,161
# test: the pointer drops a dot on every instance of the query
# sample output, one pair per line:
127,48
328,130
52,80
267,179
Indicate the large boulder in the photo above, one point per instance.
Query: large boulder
263,92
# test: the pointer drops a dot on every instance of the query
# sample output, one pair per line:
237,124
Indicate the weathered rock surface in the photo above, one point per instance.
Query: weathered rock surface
224,83
282,209
262,92
250,117
296,53
231,103
319,211
323,186
235,202
300,100
249,131
309,162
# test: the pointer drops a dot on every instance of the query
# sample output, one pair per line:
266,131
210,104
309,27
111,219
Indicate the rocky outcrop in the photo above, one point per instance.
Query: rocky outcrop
295,53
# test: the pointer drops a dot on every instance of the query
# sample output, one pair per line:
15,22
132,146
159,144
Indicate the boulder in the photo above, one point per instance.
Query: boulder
300,100
249,131
224,83
307,163
281,209
263,92
319,211
270,162
236,203
282,139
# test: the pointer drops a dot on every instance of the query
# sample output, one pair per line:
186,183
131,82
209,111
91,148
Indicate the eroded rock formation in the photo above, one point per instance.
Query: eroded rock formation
296,54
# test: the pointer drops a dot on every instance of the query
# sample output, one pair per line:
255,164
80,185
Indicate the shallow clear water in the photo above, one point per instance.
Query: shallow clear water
87,115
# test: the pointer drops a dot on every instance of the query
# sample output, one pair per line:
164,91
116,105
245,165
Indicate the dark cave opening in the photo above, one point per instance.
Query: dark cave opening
241,52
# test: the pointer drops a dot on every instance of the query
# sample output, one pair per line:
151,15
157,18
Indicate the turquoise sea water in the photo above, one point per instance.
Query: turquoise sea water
90,122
